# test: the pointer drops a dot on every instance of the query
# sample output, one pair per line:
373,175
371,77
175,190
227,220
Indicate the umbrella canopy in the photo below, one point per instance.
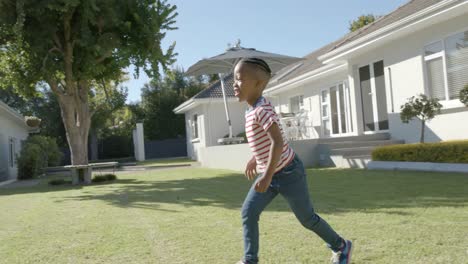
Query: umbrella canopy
225,62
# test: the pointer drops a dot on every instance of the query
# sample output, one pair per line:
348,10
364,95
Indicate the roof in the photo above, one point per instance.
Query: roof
403,11
312,62
17,117
214,90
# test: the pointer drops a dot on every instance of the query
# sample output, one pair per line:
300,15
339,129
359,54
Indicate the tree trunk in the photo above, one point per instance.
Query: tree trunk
423,125
77,120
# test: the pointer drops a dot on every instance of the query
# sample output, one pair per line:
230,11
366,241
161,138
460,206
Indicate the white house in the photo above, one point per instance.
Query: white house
13,131
348,93
205,116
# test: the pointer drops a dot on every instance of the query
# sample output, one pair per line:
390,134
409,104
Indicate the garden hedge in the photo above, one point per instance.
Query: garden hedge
442,152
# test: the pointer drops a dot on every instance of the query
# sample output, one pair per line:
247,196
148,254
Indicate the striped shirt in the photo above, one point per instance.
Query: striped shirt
258,120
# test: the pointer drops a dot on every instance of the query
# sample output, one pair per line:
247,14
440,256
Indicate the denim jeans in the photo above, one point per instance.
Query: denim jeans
291,183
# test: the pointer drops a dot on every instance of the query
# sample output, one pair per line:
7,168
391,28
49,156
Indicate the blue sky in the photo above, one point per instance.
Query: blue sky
295,27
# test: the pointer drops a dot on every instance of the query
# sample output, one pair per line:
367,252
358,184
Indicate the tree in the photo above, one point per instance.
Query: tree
160,97
361,21
420,107
72,45
464,95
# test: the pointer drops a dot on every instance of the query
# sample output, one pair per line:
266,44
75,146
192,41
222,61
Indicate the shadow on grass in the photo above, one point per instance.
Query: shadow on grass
332,191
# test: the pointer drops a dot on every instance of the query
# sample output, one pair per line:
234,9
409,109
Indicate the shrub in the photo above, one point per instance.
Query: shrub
103,178
421,107
464,95
59,182
29,161
242,135
443,152
37,153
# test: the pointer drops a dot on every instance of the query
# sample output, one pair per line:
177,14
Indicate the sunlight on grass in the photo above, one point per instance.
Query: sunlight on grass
191,215
166,162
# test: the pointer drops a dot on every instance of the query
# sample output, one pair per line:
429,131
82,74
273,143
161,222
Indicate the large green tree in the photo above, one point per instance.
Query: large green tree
160,97
72,45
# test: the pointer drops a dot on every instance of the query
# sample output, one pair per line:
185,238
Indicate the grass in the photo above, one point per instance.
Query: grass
188,215
166,162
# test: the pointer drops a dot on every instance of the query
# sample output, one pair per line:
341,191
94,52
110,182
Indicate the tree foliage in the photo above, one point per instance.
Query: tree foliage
361,21
160,97
420,107
74,45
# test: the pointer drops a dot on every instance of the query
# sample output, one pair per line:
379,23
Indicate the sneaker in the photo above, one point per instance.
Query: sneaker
344,255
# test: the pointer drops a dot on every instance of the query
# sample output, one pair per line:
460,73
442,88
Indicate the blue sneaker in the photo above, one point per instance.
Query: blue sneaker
344,255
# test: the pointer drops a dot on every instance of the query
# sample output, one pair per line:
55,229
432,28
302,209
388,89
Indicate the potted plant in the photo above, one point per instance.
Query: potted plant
32,121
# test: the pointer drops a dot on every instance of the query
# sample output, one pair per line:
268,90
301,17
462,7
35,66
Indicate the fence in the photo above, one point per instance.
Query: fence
166,148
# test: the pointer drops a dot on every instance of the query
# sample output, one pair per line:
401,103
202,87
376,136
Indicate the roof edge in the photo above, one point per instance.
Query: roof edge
331,55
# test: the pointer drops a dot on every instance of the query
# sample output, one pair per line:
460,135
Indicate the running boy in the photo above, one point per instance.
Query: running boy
281,170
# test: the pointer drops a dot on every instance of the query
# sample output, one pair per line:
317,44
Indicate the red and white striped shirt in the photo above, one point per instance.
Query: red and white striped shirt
258,120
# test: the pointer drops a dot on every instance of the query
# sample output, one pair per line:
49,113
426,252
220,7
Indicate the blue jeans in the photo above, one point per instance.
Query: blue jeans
291,183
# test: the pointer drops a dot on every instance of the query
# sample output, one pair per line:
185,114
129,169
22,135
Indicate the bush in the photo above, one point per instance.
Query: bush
103,178
59,182
443,152
115,146
37,153
464,95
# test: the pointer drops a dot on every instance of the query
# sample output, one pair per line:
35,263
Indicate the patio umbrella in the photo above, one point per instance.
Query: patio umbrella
225,63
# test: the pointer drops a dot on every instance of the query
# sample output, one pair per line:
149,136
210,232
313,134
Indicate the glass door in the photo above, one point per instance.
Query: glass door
373,97
336,117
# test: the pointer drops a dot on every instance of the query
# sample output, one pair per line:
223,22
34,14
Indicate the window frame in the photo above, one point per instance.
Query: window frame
447,102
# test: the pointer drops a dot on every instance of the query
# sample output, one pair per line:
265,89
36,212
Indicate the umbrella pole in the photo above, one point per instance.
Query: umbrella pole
225,104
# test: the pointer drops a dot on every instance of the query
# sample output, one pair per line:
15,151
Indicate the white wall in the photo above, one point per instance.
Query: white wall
193,144
216,123
311,91
10,128
404,57
235,157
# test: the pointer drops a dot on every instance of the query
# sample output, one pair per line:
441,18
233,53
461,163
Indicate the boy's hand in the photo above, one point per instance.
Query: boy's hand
251,169
262,184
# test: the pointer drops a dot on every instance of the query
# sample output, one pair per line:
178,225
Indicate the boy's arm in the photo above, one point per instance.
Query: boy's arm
251,168
273,158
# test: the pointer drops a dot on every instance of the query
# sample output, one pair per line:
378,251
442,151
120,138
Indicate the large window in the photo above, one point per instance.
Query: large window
447,66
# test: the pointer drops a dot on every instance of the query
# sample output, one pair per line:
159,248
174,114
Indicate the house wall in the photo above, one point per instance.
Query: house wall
404,58
216,124
311,90
194,144
235,157
9,128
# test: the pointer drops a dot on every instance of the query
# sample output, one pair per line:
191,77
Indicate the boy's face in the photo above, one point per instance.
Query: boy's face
247,86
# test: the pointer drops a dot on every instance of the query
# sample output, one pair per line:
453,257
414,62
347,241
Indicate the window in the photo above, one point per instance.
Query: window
12,152
195,126
296,103
447,66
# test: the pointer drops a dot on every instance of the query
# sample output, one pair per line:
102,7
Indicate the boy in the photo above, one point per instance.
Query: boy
282,172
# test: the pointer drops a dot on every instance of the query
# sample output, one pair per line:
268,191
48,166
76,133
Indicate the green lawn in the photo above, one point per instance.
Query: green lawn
189,215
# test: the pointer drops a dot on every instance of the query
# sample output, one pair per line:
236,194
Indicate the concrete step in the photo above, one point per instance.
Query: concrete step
373,143
371,137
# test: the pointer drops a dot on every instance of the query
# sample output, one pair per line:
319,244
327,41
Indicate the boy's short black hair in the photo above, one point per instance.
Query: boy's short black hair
257,62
